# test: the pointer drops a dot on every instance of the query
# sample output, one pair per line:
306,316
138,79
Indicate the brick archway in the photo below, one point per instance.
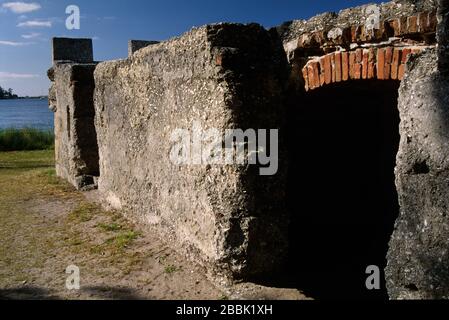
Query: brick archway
332,48
386,63
352,66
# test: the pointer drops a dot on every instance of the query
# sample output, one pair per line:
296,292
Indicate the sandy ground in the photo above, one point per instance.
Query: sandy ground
47,226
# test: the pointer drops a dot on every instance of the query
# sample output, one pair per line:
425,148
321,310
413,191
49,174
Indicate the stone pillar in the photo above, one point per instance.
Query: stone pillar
418,258
134,45
75,50
71,98
443,36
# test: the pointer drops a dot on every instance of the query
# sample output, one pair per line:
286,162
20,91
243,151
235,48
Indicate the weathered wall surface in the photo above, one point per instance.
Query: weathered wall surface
71,97
222,76
418,260
355,25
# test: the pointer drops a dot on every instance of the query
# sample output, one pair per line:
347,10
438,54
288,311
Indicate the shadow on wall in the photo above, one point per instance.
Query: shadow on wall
341,191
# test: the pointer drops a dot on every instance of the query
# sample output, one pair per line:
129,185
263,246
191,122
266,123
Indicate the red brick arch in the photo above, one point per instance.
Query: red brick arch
361,64
354,52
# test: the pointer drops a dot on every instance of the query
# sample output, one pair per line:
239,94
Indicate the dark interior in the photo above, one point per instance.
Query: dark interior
342,196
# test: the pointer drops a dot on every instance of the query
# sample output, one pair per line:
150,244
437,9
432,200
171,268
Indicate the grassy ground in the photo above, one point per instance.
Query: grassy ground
25,139
45,226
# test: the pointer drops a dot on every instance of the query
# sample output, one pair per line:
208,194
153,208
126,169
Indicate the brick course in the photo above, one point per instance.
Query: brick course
373,63
420,23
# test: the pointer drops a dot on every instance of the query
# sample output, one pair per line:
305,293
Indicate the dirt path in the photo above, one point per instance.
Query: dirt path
45,226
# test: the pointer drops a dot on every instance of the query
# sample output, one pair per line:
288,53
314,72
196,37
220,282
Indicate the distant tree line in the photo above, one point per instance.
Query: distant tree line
7,94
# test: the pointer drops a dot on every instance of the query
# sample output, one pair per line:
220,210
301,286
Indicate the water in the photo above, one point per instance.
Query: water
26,113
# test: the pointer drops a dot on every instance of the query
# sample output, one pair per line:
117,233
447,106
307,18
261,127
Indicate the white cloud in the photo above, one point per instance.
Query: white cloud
11,75
21,7
35,23
13,43
31,35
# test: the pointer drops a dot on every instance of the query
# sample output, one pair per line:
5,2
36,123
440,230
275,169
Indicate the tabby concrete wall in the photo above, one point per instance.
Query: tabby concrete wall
223,76
418,259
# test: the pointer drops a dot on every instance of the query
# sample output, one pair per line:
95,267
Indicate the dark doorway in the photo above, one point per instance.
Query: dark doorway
342,196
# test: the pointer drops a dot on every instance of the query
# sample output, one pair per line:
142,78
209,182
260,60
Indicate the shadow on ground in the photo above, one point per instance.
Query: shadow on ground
93,292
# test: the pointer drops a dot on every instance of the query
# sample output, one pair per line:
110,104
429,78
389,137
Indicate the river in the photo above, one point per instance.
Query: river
26,113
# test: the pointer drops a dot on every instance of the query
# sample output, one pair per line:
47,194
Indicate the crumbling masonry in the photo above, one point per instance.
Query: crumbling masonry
113,122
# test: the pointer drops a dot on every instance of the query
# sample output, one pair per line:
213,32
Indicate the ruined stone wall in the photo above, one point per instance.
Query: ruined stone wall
224,76
332,48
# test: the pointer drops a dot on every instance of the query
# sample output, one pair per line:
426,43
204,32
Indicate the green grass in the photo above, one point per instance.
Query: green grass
84,213
28,238
26,139
123,239
112,227
170,269
17,160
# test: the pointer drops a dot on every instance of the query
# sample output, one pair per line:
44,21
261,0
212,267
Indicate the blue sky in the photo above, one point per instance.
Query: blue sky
26,27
